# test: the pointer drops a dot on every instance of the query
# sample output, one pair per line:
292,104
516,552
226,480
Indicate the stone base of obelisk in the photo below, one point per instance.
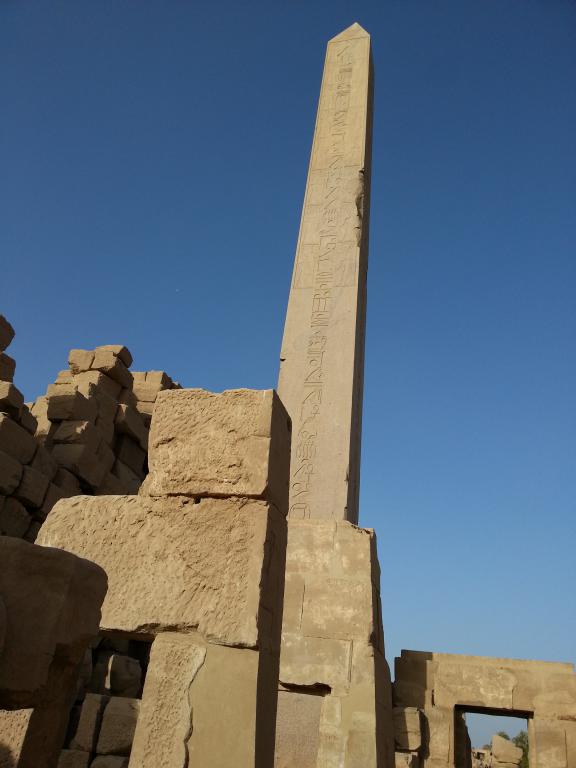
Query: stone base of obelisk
335,704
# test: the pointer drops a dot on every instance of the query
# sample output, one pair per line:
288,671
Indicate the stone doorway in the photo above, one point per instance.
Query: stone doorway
485,738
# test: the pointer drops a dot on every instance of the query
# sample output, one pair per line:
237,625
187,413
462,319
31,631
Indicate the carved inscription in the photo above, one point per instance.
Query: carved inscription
322,278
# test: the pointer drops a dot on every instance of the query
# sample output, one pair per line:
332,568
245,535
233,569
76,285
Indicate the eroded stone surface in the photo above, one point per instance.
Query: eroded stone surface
175,564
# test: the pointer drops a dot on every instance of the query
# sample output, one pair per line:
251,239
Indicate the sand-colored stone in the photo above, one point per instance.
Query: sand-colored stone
173,563
504,751
70,758
322,357
298,729
6,333
118,726
407,728
88,728
230,444
16,441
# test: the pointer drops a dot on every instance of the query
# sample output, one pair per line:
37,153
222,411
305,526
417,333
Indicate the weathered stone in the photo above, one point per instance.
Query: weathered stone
78,433
118,726
128,479
106,361
86,380
11,399
80,360
7,367
205,444
82,461
10,473
298,729
113,486
70,758
68,482
14,520
314,661
129,422
168,550
32,488
6,333
52,598
505,751
28,420
44,462
124,677
119,351
40,412
407,728
109,761
88,728
16,441
406,760
147,391
130,453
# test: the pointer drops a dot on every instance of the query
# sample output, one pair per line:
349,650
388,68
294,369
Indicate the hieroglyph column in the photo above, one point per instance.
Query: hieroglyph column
322,358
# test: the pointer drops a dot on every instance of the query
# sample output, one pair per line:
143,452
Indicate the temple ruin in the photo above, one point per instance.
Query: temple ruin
184,582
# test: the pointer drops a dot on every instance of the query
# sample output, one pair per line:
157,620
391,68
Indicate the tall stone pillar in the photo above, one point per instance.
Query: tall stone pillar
334,706
322,358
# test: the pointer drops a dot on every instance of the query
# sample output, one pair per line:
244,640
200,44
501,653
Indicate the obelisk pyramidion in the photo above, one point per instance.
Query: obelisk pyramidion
322,357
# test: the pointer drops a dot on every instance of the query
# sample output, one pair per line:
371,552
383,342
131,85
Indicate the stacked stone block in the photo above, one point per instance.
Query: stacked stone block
27,490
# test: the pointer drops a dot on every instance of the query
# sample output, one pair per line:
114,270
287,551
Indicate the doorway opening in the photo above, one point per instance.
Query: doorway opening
490,739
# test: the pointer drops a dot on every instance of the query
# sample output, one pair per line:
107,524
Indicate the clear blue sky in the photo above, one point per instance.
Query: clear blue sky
152,165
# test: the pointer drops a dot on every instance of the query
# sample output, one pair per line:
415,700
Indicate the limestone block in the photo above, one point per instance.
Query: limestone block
32,488
234,443
360,749
159,379
11,399
70,758
106,361
129,453
7,367
118,726
124,676
293,602
40,412
14,520
82,461
129,422
315,661
109,761
104,385
310,546
551,746
466,683
80,360
88,728
65,377
407,728
78,433
6,333
10,473
52,599
44,462
440,725
147,391
504,751
178,564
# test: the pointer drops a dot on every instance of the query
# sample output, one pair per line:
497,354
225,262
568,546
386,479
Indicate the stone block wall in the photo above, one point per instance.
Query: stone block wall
87,435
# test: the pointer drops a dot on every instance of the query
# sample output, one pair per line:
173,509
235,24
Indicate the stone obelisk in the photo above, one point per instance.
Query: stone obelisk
322,357
334,700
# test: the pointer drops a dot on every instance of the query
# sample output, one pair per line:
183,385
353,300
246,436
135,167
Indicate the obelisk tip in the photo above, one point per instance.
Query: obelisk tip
354,30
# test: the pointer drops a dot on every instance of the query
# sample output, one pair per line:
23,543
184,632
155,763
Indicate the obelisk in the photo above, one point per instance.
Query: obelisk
322,357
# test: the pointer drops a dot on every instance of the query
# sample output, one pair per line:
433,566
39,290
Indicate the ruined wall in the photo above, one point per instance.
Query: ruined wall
87,435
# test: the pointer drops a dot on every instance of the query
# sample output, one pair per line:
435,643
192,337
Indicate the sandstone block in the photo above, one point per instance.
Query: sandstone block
53,494
167,550
129,422
406,760
7,367
52,601
339,608
407,728
6,333
88,728
147,391
70,758
80,360
14,520
128,398
129,453
113,486
83,462
10,473
11,399
32,488
234,443
44,462
109,761
32,532
78,432
28,421
119,351
103,384
67,482
70,406
40,412
129,481
159,379
118,726
65,377
16,441
124,676
107,362
504,751
315,661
